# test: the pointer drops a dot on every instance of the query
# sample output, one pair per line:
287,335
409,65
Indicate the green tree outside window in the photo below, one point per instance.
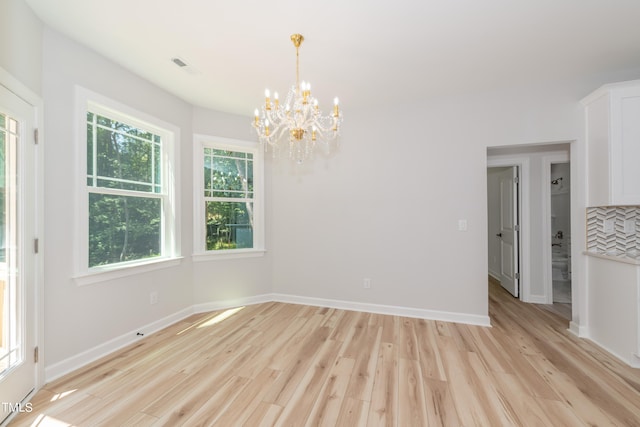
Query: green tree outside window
228,193
124,180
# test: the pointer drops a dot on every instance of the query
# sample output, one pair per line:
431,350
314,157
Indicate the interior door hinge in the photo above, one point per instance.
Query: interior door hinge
35,355
516,180
35,136
517,227
35,245
517,276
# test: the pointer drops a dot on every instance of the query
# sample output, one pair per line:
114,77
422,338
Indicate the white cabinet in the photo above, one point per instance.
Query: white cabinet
613,144
614,307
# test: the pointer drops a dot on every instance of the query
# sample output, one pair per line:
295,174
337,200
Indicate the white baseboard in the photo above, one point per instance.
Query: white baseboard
72,363
444,316
577,330
583,333
632,361
536,299
68,365
221,305
75,362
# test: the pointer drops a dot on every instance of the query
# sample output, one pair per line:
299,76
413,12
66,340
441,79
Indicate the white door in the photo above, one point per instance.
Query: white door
17,258
509,231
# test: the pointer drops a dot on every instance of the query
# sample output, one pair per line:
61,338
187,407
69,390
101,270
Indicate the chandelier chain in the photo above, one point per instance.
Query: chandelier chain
298,70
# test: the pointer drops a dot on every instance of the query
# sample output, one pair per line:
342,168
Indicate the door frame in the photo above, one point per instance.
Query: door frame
19,89
524,173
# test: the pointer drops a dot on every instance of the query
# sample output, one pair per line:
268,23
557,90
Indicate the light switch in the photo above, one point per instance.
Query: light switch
462,225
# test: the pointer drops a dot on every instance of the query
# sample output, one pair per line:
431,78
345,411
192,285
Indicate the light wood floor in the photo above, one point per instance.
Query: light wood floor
294,365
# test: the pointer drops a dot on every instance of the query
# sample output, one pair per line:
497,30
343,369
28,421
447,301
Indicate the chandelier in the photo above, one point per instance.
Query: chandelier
297,121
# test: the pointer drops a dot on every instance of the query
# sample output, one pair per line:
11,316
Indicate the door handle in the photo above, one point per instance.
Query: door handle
499,235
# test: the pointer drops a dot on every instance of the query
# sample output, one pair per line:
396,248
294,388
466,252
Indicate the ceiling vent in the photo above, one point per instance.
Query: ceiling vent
179,62
182,64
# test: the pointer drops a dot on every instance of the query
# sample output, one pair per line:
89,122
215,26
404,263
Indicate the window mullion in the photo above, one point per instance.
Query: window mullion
153,166
94,155
229,199
211,170
126,193
126,181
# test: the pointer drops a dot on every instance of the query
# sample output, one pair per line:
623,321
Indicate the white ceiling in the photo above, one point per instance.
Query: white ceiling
365,52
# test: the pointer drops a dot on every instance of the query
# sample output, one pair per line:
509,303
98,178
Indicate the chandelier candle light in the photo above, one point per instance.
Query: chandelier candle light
299,118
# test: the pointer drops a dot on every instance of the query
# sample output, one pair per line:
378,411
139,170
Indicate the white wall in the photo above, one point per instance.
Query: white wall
79,318
387,205
384,208
228,280
21,43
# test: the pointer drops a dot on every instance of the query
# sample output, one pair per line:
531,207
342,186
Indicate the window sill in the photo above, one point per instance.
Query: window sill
104,274
227,254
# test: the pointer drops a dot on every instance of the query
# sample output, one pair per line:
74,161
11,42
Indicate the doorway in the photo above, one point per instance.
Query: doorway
535,221
18,268
557,254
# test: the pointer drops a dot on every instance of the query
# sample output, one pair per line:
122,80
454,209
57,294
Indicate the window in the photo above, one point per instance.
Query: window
128,188
230,217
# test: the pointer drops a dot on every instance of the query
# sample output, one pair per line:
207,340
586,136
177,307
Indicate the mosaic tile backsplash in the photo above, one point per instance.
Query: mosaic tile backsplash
614,230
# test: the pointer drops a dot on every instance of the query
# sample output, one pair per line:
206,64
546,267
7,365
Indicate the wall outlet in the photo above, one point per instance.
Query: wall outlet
153,298
366,283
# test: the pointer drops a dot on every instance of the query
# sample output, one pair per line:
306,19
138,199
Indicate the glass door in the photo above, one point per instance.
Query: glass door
17,267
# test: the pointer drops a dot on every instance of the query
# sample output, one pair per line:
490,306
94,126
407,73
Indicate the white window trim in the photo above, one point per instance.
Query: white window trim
87,100
199,228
